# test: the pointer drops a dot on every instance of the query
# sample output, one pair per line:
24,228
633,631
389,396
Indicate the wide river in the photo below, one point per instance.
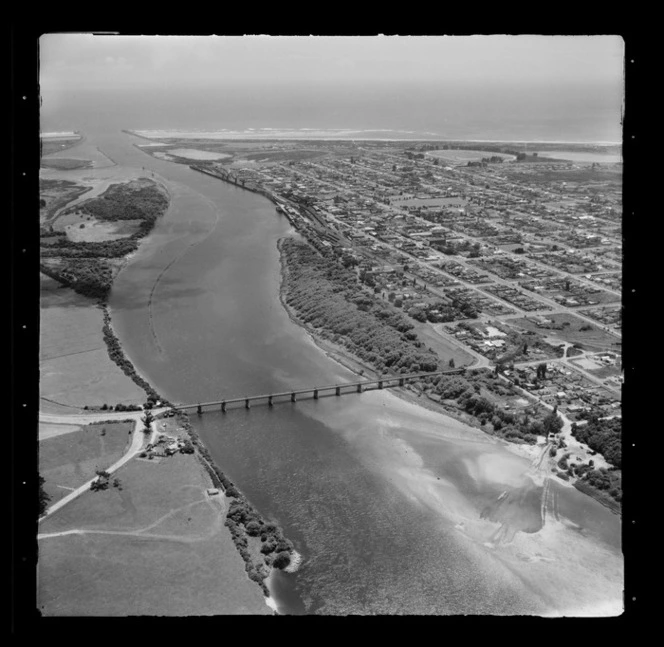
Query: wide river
394,509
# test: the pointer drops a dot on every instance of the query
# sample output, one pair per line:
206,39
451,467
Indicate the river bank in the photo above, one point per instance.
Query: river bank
535,453
325,469
105,341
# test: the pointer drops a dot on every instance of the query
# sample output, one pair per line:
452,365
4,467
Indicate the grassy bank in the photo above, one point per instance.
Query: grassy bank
89,269
155,545
261,544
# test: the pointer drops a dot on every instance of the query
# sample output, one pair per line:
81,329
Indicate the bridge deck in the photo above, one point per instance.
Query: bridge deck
387,382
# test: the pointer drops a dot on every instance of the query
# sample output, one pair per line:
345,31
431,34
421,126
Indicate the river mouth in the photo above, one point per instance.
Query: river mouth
392,507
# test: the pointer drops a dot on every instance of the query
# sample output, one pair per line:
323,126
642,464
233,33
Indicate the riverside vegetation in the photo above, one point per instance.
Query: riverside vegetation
326,296
244,522
85,266
603,436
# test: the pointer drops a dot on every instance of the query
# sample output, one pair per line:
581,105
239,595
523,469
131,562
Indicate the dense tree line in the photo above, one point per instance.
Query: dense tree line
127,202
466,391
605,482
327,296
84,268
116,353
44,498
91,277
243,520
64,247
444,312
603,436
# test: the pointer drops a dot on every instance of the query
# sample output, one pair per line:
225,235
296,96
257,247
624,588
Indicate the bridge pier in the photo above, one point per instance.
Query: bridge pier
380,384
293,397
246,404
401,381
359,388
199,409
338,391
223,407
269,401
315,394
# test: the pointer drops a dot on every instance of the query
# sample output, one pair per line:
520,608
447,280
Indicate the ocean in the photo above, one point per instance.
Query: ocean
546,114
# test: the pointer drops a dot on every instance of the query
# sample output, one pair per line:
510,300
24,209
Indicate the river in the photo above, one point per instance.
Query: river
395,509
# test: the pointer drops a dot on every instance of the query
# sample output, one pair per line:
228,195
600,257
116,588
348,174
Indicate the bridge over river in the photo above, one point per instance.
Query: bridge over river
315,391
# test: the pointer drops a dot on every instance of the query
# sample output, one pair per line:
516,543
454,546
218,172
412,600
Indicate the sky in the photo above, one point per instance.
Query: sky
85,60
564,88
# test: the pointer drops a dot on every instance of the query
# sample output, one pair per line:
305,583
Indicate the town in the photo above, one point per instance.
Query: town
510,259
486,248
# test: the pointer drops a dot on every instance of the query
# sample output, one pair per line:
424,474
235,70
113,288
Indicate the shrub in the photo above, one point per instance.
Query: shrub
268,547
253,528
282,560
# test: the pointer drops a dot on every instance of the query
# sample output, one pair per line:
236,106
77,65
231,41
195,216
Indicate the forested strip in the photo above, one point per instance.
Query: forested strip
91,277
603,436
127,202
83,266
327,296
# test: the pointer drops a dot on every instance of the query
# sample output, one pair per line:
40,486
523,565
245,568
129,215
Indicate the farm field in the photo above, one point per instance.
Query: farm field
81,227
154,546
594,339
65,164
445,349
69,459
193,154
464,156
430,202
75,369
94,181
51,145
56,194
596,368
82,151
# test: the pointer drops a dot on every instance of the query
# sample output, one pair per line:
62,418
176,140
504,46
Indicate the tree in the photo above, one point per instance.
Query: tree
282,560
101,482
553,423
44,498
451,362
148,419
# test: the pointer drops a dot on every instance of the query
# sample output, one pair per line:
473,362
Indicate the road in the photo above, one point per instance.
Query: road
85,419
549,305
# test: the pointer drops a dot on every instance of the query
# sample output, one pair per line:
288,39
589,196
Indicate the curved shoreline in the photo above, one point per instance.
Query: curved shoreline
212,468
119,357
344,358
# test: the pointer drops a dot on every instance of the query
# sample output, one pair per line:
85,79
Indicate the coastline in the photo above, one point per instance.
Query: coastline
304,136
